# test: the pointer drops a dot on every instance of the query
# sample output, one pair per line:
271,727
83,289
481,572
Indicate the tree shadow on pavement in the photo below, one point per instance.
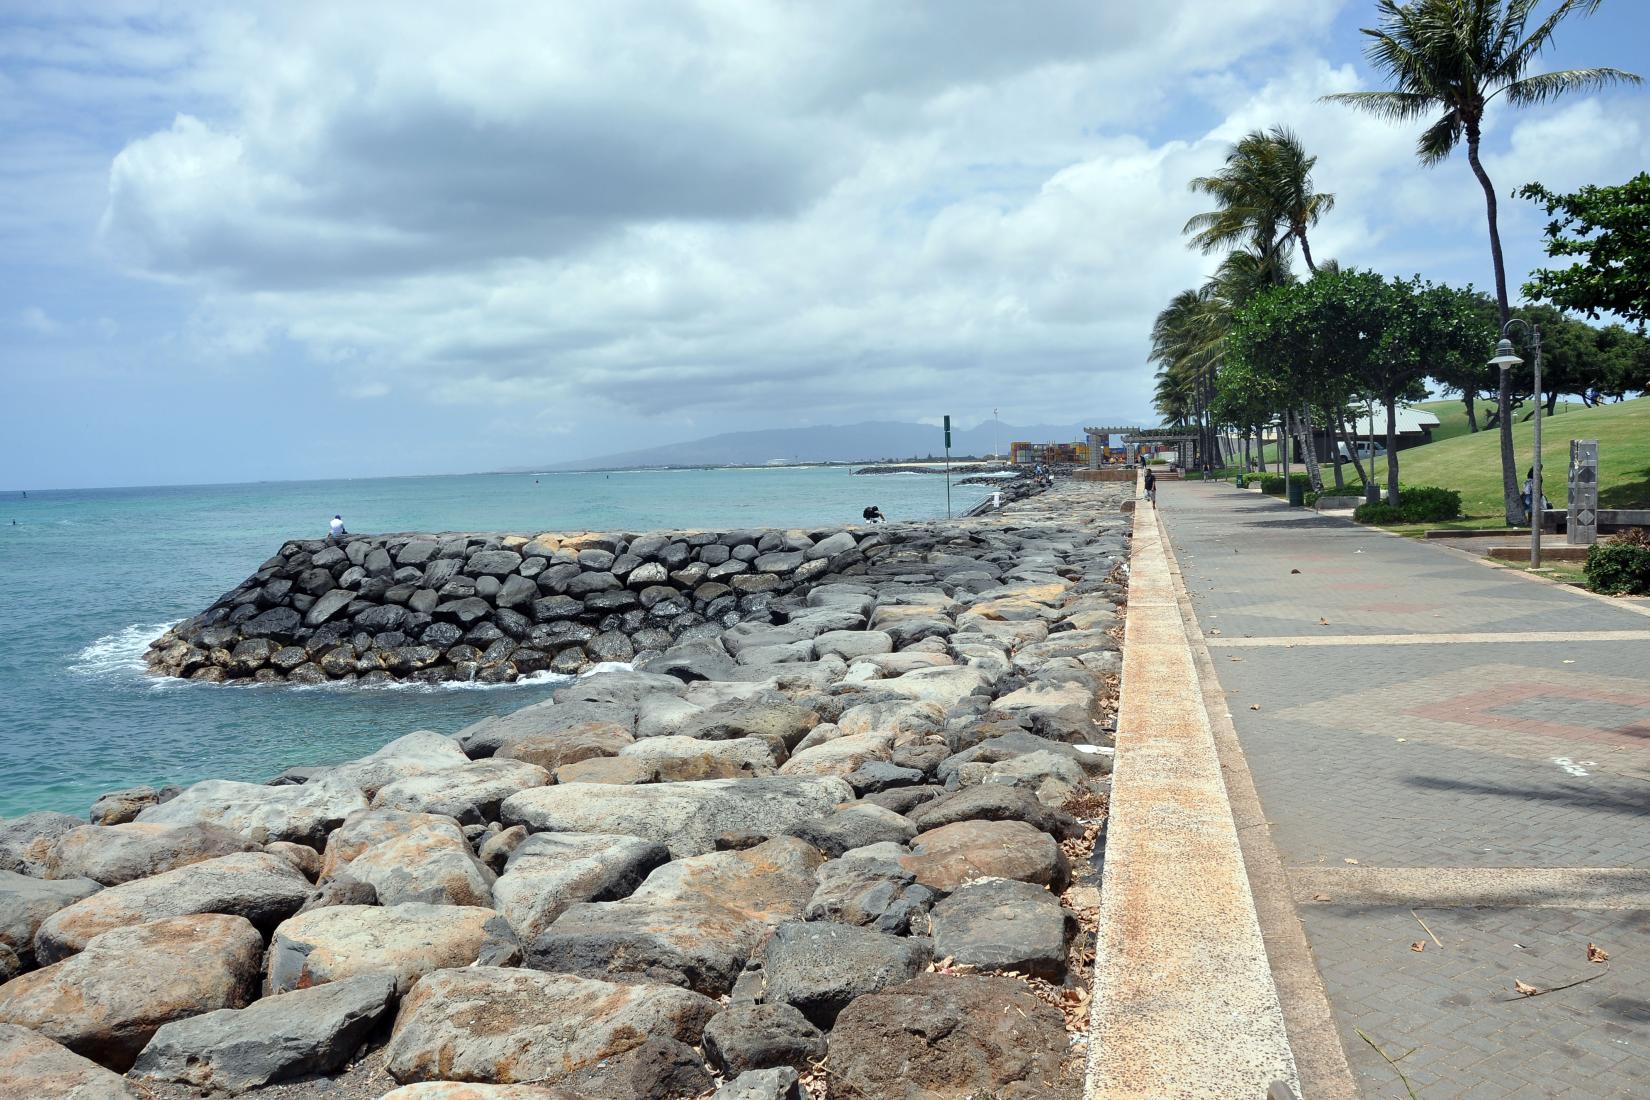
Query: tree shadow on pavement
1635,804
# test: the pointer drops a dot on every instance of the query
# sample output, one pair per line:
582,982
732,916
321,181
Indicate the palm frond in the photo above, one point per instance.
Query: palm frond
1394,106
1439,139
1546,87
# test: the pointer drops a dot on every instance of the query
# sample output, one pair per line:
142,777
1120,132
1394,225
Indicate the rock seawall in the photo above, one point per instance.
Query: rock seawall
492,608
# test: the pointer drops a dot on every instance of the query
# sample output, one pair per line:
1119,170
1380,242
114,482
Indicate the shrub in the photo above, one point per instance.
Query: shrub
1620,566
1426,504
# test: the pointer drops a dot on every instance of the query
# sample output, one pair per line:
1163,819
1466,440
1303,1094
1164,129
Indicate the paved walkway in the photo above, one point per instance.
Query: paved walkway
1446,755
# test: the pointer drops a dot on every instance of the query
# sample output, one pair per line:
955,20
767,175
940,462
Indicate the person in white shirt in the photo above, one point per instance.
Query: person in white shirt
336,527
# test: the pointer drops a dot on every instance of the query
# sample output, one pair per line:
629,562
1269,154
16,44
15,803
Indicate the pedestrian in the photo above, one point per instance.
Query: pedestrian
335,529
1151,488
873,514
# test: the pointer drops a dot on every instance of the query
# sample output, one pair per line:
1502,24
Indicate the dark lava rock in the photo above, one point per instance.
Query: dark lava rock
1003,925
819,968
752,1036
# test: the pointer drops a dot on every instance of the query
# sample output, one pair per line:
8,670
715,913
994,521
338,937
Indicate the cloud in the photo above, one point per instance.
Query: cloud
710,215
36,320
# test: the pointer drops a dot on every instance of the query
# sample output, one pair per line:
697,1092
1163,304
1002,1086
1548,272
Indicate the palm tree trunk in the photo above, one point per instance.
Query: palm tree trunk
1309,447
1306,251
1469,399
1334,434
1510,492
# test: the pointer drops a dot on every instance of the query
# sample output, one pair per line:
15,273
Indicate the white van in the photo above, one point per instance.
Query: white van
1365,450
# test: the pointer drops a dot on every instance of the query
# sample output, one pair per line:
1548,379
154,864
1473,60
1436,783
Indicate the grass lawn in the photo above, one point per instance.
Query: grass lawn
1471,463
1452,416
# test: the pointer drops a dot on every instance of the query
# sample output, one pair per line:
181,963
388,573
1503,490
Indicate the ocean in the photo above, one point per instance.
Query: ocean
89,577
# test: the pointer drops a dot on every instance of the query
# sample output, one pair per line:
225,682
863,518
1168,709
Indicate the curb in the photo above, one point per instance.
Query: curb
1184,1003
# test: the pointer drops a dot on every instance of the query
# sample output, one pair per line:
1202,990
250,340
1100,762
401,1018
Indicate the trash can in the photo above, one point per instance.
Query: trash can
1297,493
1372,493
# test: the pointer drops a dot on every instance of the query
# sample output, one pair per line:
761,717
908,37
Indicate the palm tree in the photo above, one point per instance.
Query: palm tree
1264,198
1450,59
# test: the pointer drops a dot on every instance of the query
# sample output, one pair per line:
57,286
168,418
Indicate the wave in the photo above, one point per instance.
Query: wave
120,653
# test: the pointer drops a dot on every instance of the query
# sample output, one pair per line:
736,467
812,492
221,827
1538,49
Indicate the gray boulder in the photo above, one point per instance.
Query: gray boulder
489,1024
746,1037
430,861
26,902
27,842
1004,925
686,817
119,807
234,1050
870,893
763,1084
549,872
32,1067
113,854
261,887
405,941
108,1001
819,968
471,792
994,802
416,753
854,826
303,814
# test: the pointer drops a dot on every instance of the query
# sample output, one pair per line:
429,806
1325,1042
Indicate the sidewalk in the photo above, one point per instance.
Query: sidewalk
1446,755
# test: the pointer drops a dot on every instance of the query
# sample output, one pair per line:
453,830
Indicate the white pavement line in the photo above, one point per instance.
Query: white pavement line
1482,887
1183,1001
1319,640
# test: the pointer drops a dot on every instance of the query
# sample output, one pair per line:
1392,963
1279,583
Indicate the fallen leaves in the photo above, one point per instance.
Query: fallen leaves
1322,897
1350,860
1323,621
1418,945
1527,990
1254,706
1293,571
1597,954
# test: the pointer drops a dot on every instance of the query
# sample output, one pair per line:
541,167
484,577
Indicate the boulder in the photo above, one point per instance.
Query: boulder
686,817
881,775
462,1090
607,769
849,644
306,859
108,1001
493,563
674,759
429,861
27,842
854,826
25,902
994,802
113,854
819,968
503,1026
1004,925
418,753
32,1067
1049,776
781,1083
781,723
694,922
944,858
552,749
487,736
405,941
471,793
949,1036
869,893
263,888
303,814
945,685
548,872
746,1037
840,756
119,807
233,1050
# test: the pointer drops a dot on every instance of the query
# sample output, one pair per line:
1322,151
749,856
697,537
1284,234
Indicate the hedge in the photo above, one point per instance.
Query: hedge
1620,566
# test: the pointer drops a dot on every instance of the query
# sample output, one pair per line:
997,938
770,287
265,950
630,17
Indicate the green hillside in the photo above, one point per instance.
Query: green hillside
1452,415
1470,463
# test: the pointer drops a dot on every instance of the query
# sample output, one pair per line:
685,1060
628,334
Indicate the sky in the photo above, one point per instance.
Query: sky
252,242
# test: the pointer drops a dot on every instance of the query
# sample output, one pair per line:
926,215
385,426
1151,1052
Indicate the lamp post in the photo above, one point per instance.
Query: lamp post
1505,357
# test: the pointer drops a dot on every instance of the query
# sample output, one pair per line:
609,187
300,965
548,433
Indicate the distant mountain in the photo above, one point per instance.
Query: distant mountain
865,442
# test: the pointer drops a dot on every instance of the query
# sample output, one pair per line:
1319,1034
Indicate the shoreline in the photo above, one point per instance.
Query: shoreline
826,784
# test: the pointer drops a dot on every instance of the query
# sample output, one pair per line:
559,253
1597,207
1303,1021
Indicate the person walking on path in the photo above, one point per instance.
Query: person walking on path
1151,488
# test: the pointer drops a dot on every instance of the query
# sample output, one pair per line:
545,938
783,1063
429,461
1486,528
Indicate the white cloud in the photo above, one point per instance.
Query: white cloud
37,321
735,213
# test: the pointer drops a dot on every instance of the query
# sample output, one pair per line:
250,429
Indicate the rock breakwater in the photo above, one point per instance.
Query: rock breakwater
492,608
844,850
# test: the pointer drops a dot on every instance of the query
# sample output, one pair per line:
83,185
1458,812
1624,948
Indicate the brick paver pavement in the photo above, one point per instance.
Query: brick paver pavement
1525,745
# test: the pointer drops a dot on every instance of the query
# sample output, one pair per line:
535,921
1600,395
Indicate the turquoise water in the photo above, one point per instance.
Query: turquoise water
88,577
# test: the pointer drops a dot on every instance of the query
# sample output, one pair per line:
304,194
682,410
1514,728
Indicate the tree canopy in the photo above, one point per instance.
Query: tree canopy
1608,230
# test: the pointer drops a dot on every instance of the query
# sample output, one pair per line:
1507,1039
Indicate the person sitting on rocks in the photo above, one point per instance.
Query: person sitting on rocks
335,529
873,514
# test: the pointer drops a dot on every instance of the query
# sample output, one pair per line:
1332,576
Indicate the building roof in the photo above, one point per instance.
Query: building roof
1411,421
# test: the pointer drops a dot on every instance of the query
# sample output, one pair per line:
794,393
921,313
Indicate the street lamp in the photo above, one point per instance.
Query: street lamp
1505,357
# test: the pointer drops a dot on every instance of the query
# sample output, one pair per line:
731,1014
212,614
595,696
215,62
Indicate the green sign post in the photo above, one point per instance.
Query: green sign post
947,467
